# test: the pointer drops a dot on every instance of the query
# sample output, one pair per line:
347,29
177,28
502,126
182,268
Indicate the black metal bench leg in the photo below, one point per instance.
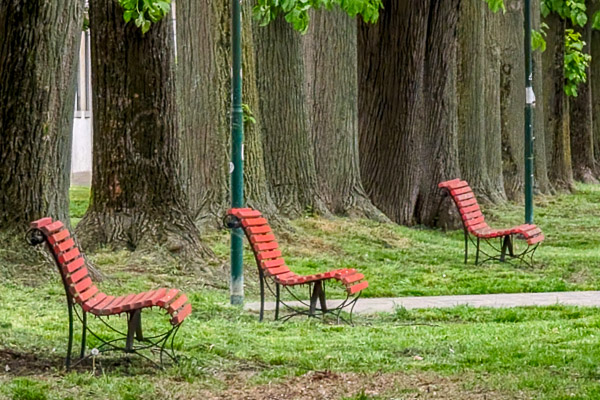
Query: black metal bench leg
83,334
322,299
70,345
261,279
278,293
132,326
477,253
466,245
316,293
506,245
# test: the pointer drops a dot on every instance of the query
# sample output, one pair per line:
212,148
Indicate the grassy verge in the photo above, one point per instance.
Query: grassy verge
549,353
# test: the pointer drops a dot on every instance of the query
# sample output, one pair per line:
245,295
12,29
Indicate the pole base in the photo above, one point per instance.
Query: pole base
236,300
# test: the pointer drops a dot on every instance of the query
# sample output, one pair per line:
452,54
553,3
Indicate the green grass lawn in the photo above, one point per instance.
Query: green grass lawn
460,353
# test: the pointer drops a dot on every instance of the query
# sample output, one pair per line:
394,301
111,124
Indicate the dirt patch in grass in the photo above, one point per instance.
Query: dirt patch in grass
328,385
23,364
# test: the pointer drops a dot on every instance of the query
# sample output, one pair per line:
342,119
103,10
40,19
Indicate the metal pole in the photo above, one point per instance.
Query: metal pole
529,104
237,158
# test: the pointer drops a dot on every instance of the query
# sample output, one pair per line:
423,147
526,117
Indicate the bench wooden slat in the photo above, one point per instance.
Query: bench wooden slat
461,190
58,237
254,222
266,255
277,270
245,213
352,278
182,314
472,215
262,238
89,304
73,266
77,275
469,209
466,203
174,306
118,307
449,184
81,286
257,230
358,287
130,304
273,263
104,303
83,297
64,246
474,221
167,298
535,240
40,223
139,303
265,246
69,255
52,228
465,196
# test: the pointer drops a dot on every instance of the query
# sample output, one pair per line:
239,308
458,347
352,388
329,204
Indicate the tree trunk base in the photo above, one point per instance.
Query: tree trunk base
140,231
585,175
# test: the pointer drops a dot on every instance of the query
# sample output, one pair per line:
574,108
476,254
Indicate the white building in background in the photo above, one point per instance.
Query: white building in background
81,155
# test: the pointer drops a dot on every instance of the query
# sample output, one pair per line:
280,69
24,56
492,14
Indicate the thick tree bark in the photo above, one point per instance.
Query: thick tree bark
594,78
332,89
479,146
556,106
542,183
203,84
288,153
39,43
256,184
407,109
581,120
508,29
137,196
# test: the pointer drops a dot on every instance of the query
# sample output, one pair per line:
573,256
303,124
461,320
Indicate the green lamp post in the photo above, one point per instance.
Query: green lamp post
236,166
529,103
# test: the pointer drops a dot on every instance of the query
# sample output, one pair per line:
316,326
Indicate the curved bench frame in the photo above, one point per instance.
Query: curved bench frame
474,226
39,234
274,274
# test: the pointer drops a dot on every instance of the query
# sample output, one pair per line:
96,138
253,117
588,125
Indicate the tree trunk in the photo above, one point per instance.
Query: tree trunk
581,120
594,78
407,109
332,89
479,146
542,183
288,153
137,195
508,28
256,186
203,84
39,43
556,106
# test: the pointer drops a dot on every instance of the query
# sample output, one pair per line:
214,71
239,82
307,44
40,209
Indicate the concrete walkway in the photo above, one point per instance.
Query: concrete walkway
375,305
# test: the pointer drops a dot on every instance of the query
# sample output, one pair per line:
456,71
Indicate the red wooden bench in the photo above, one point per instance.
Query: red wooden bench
475,225
81,291
271,266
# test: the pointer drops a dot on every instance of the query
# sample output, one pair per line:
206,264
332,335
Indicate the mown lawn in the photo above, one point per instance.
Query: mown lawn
460,353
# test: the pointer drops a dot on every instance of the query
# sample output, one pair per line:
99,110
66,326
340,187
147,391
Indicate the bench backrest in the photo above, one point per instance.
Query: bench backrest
261,238
467,205
69,259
